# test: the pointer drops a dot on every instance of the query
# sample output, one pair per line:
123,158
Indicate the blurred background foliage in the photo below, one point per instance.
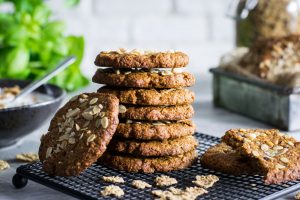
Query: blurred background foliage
31,44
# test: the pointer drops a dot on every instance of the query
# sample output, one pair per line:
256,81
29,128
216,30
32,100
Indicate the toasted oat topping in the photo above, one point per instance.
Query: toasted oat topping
140,184
189,193
4,165
113,179
206,181
165,181
112,190
297,196
27,157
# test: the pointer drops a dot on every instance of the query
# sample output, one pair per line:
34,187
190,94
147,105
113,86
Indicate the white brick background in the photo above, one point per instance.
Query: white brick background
198,27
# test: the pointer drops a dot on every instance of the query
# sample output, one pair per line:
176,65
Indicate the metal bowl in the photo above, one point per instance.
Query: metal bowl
18,122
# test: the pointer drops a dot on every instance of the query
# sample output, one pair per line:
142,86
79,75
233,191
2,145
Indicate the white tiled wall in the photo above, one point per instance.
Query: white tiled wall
198,27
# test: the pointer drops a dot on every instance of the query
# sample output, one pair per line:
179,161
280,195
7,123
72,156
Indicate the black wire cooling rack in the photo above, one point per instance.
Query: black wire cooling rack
89,184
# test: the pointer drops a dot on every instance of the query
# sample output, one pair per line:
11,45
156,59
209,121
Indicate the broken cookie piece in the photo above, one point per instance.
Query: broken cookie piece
274,154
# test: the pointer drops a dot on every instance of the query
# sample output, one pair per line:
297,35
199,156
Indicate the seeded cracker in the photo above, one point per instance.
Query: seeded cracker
165,181
79,133
112,190
27,157
140,184
113,179
4,165
206,181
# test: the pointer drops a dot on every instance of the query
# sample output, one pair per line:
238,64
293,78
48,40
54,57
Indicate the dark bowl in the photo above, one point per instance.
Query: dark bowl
17,122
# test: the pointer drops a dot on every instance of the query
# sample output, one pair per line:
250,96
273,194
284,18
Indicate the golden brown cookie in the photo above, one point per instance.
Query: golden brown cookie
273,153
223,158
143,79
154,147
160,130
155,97
141,59
148,165
152,113
79,133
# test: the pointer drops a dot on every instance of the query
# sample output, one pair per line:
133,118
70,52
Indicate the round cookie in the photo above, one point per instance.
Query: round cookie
153,113
223,158
148,165
154,148
141,59
141,79
154,97
79,133
155,130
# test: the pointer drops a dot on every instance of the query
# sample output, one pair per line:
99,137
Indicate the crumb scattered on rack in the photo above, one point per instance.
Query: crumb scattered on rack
297,196
27,157
206,181
190,193
165,180
113,179
112,190
3,165
140,184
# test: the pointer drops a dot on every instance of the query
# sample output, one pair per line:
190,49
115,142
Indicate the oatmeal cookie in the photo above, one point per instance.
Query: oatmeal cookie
274,154
148,165
222,158
153,113
160,130
141,59
155,97
143,79
154,148
79,133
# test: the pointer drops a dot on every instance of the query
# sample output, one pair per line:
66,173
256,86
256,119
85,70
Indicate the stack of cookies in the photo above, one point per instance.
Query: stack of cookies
155,132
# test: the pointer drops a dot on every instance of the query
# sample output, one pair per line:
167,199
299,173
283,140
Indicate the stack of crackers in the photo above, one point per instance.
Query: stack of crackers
139,122
155,132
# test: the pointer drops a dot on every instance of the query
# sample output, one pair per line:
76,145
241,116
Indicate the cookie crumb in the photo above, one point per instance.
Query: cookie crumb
165,181
113,179
27,157
140,184
206,181
297,196
3,165
112,190
189,193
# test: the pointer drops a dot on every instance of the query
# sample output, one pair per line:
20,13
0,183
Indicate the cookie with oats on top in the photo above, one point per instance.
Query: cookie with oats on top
79,133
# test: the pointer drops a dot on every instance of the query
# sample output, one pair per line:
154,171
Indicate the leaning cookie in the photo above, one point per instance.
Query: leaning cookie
148,165
223,158
153,113
79,133
153,147
141,59
155,97
160,130
142,79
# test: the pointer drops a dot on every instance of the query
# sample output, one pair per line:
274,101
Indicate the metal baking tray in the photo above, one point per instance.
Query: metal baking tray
88,184
276,105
